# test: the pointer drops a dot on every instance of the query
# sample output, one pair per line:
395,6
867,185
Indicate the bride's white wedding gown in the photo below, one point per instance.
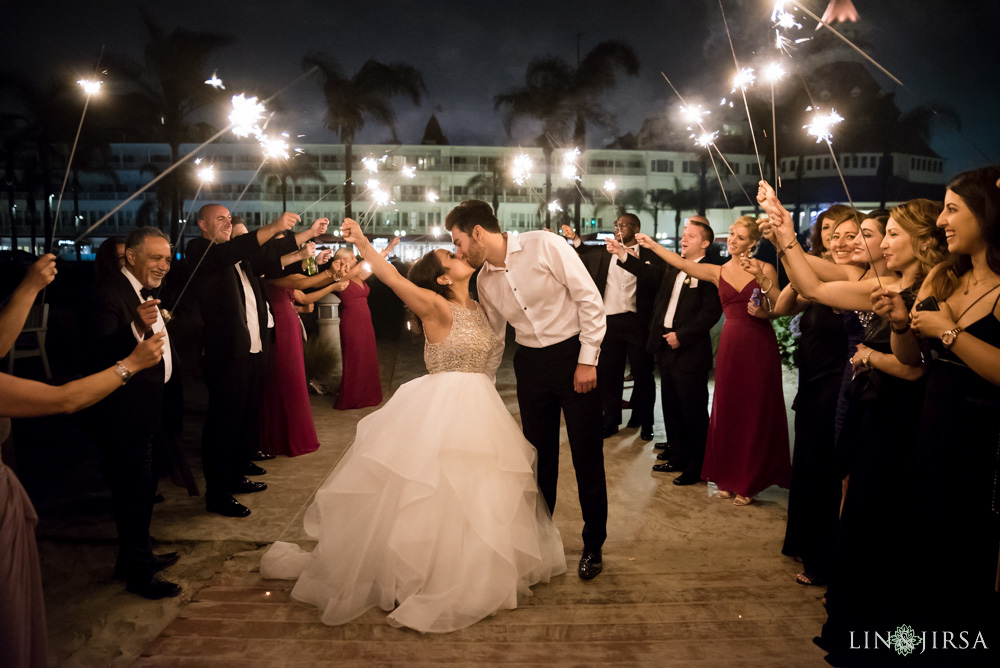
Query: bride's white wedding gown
433,513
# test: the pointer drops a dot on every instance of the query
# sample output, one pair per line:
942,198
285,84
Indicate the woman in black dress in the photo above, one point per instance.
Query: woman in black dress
955,531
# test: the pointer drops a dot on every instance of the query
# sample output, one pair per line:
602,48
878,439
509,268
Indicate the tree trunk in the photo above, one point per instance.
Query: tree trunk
48,222
702,188
76,214
284,194
348,184
11,205
174,192
677,231
548,183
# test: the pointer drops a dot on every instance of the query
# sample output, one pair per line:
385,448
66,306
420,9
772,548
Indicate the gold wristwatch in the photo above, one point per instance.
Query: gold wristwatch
948,338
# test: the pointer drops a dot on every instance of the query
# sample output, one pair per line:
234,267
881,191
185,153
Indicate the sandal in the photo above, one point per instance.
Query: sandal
807,581
723,494
742,500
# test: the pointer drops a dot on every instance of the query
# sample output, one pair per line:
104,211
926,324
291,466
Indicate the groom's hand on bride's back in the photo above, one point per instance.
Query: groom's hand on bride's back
585,378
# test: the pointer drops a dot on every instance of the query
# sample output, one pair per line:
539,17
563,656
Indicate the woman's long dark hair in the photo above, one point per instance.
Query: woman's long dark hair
979,190
424,274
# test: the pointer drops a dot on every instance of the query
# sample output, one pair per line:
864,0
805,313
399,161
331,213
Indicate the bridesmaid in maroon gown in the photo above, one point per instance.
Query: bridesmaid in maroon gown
362,381
747,449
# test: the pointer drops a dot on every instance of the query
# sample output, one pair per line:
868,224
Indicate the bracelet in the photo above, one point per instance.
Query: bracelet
904,329
768,287
327,272
795,242
866,362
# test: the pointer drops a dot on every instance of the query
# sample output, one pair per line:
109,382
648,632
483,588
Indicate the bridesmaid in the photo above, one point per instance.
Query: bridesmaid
747,449
956,534
362,381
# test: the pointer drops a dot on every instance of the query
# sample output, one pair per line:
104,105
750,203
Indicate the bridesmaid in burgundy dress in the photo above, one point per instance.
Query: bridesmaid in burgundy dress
747,449
362,381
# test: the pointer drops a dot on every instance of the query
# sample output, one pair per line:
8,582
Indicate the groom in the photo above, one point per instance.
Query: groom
537,283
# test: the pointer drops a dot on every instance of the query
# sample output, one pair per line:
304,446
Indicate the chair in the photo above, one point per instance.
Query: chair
31,341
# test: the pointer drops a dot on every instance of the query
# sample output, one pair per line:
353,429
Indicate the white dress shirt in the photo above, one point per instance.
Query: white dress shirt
545,293
158,326
250,302
619,291
668,319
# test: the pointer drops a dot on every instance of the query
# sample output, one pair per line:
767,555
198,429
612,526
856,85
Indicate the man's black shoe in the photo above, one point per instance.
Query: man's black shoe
160,561
229,507
687,479
666,447
154,589
590,564
253,469
646,434
610,430
247,486
261,456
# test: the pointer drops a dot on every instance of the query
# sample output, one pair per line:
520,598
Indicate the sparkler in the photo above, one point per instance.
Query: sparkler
782,21
569,167
555,207
821,128
408,171
432,196
610,187
215,82
90,88
773,73
274,148
521,169
743,79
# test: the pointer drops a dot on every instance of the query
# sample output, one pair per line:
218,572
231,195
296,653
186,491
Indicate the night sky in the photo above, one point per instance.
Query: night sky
945,51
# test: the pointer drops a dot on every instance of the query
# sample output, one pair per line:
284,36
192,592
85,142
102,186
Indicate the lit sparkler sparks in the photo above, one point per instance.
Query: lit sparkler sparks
432,196
409,171
207,174
774,73
274,148
822,125
693,115
569,168
90,87
706,139
743,79
521,169
370,164
246,116
555,207
610,186
215,82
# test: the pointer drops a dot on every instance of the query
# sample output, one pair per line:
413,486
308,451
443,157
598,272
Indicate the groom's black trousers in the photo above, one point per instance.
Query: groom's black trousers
544,387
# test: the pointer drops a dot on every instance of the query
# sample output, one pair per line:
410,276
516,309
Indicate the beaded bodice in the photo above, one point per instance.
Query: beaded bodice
467,346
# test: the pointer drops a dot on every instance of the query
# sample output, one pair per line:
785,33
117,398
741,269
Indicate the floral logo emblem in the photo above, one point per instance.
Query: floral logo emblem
904,640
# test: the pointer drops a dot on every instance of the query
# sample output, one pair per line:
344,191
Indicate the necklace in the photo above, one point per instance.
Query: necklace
973,282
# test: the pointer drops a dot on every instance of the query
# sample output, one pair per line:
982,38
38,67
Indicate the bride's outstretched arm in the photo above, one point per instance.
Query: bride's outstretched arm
700,270
425,304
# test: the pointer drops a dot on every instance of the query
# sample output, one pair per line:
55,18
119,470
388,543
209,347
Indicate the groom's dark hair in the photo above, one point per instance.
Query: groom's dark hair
470,213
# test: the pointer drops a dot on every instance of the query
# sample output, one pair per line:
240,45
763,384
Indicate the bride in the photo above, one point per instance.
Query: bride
433,513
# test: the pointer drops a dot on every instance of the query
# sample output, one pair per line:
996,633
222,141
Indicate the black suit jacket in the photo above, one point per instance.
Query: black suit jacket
648,268
137,408
698,309
220,291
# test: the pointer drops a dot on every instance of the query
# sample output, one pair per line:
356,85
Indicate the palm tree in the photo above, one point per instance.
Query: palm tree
365,96
557,94
680,200
632,200
167,89
280,172
490,183
659,199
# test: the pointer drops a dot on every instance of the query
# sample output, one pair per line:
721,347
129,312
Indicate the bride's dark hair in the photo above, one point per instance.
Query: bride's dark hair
424,273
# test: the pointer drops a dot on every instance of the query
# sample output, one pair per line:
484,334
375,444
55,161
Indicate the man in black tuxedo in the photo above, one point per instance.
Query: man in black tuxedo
235,317
684,312
628,302
123,424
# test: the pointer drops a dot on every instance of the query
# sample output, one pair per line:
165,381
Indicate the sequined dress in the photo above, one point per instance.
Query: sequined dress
433,513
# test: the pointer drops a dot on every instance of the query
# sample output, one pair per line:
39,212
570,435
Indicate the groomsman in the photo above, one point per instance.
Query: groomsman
123,424
684,312
537,283
628,303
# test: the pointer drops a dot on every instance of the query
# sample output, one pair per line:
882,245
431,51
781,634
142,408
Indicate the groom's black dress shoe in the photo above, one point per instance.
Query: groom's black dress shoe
261,456
590,564
610,430
687,479
160,561
229,507
247,486
646,434
154,589
253,469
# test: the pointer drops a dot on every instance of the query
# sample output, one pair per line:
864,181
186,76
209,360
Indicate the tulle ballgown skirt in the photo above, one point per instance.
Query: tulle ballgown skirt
433,514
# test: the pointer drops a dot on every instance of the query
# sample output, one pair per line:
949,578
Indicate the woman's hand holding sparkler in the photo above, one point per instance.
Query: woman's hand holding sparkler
352,234
889,305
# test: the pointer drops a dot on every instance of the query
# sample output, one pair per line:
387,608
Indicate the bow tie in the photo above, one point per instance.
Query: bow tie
145,293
